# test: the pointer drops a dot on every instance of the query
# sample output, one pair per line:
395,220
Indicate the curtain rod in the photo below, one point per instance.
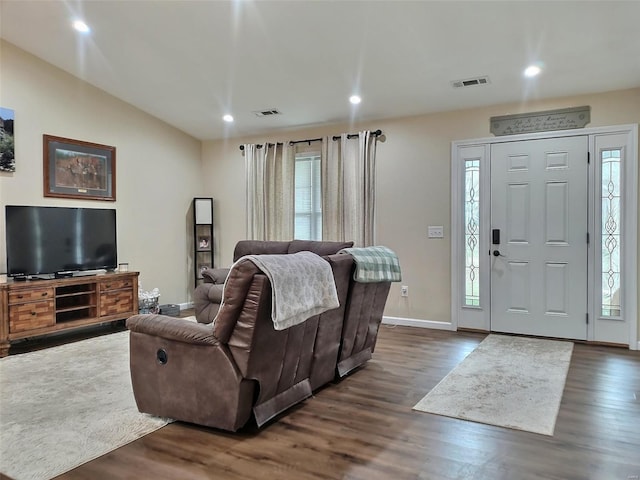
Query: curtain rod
375,133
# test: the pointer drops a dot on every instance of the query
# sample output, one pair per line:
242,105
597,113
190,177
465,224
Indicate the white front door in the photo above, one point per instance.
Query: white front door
539,206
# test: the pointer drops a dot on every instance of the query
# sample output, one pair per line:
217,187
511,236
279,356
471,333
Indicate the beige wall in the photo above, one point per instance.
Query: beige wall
158,167
413,173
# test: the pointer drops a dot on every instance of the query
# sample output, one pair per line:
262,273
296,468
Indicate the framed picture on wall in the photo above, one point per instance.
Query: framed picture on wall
202,267
7,152
204,242
77,169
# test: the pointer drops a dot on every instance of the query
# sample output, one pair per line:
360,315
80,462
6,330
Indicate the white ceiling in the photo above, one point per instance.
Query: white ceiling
190,62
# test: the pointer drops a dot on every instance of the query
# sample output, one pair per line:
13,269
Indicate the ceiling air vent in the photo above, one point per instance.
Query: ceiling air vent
471,82
267,113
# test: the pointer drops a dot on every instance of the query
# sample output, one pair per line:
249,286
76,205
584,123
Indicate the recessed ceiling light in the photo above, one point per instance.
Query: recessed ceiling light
355,99
80,26
228,118
532,71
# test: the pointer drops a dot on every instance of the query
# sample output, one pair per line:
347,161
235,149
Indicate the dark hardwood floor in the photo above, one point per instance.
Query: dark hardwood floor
363,427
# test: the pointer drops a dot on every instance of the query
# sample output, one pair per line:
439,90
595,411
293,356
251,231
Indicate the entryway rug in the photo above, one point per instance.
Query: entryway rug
507,381
64,406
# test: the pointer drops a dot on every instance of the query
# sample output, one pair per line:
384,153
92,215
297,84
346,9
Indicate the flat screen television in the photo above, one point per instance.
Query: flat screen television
59,240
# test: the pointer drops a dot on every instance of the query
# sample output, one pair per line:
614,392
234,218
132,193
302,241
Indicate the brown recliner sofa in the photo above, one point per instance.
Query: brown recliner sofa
208,297
363,312
218,375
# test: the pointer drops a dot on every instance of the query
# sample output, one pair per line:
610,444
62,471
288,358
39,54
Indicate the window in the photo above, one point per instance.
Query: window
308,200
610,232
472,232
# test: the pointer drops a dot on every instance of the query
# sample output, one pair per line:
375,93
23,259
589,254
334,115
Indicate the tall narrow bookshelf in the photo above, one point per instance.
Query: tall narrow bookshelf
202,236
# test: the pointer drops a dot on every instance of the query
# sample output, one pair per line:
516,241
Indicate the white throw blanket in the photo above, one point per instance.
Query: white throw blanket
302,286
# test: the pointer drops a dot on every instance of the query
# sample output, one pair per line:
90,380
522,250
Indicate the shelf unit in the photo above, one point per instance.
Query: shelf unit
74,302
202,236
38,307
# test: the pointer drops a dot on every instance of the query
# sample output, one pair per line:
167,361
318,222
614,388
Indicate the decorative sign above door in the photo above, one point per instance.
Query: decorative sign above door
560,119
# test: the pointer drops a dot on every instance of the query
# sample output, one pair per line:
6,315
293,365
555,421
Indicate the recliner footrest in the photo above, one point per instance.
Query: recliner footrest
268,409
353,362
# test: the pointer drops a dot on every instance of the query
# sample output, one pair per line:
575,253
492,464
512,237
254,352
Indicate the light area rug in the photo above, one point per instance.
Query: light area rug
507,381
64,406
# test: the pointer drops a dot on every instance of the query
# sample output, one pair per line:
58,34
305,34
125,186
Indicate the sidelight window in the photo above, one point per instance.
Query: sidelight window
610,232
472,232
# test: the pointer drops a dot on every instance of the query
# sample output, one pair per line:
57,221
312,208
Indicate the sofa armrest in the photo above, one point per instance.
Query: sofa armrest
172,328
215,275
207,298
208,293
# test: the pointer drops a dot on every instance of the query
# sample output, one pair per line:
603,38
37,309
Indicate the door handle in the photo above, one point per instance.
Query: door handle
496,253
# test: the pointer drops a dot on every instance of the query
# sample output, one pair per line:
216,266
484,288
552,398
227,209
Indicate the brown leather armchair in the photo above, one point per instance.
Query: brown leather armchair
219,374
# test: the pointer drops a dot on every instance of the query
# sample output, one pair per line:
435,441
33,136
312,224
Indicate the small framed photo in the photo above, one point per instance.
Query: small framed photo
77,169
204,242
202,267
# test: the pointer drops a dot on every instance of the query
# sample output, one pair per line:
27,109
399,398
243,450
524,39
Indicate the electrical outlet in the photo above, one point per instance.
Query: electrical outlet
404,291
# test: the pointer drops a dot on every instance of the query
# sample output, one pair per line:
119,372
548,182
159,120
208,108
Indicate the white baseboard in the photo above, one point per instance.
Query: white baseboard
638,346
416,322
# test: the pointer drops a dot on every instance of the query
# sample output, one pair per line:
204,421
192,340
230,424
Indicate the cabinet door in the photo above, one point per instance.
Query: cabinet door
116,302
31,316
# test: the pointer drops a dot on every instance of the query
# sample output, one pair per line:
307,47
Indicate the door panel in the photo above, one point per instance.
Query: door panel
518,210
539,203
556,281
557,214
519,300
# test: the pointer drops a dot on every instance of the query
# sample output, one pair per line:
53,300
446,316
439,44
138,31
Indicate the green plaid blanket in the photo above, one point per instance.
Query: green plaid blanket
375,264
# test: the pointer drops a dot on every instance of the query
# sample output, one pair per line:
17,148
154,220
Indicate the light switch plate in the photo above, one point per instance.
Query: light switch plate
436,231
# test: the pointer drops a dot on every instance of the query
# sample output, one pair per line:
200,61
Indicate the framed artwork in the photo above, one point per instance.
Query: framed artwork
201,268
204,242
203,210
77,169
7,152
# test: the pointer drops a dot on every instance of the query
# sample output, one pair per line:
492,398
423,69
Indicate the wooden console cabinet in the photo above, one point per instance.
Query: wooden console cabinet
38,307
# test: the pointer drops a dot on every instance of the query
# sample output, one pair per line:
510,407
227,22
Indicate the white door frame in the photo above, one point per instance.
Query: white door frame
479,317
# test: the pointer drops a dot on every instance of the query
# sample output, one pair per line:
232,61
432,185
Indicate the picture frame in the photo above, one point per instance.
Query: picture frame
202,267
204,243
78,169
7,144
203,211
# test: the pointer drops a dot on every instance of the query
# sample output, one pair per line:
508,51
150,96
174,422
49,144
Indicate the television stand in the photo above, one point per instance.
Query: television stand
38,307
